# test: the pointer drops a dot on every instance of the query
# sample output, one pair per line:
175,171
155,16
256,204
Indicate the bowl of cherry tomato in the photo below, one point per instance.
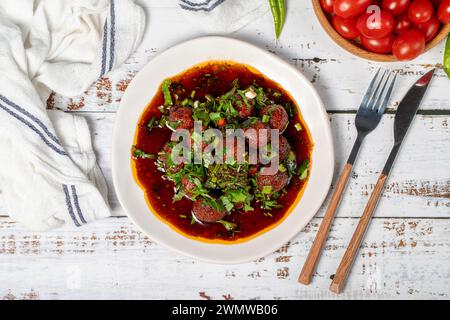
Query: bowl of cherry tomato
385,30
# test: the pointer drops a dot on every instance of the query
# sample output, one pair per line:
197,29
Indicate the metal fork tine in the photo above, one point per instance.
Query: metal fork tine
388,95
370,90
377,92
384,82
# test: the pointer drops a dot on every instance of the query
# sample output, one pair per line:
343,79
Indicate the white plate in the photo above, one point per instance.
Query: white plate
140,92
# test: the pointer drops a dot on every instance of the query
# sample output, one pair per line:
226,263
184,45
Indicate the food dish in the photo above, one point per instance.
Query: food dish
227,199
146,84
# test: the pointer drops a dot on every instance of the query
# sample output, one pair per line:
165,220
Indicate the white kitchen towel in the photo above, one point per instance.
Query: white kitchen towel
224,16
48,171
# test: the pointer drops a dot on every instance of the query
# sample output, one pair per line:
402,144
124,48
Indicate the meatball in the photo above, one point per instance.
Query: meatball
277,181
283,148
164,157
233,153
188,185
181,118
245,111
279,118
260,128
205,213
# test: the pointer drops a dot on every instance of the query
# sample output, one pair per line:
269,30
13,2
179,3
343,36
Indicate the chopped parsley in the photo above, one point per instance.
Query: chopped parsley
139,154
152,124
228,225
303,170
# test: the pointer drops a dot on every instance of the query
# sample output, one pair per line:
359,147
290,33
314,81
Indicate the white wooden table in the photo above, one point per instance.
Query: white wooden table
406,253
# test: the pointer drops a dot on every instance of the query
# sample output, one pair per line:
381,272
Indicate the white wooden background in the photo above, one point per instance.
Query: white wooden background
406,253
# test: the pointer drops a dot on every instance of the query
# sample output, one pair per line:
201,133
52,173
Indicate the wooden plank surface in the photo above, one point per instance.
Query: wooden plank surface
400,258
407,249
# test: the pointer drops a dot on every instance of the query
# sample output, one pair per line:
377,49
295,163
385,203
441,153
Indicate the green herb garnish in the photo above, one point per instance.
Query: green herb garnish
166,91
228,225
267,190
290,109
152,123
139,154
227,203
215,116
270,204
303,170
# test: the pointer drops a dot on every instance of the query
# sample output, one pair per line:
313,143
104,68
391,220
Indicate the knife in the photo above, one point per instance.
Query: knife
406,111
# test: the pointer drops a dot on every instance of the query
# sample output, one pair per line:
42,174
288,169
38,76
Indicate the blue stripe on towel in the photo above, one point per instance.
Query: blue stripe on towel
32,117
105,39
69,206
32,127
77,204
113,35
197,7
197,4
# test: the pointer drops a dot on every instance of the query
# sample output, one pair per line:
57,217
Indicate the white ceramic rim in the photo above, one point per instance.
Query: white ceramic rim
140,92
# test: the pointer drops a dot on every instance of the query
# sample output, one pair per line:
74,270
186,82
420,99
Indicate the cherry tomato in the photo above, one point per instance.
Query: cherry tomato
374,27
327,5
402,23
395,7
382,45
430,28
409,45
345,27
420,11
350,8
444,11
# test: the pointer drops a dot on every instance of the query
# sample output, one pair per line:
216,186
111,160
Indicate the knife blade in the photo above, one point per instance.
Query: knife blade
404,116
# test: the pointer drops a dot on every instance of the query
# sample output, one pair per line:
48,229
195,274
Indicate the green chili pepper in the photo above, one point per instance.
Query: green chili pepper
282,16
279,15
447,57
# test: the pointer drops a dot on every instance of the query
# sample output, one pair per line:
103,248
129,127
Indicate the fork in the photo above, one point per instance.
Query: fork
367,119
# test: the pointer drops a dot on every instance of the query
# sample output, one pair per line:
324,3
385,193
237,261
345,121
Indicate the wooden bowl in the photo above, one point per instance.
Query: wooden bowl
353,48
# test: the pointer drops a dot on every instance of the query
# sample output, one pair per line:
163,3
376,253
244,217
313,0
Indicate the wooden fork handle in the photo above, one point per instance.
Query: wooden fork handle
321,237
349,257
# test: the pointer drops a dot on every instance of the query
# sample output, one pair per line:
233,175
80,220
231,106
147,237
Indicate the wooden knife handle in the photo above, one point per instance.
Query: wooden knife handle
349,257
321,237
